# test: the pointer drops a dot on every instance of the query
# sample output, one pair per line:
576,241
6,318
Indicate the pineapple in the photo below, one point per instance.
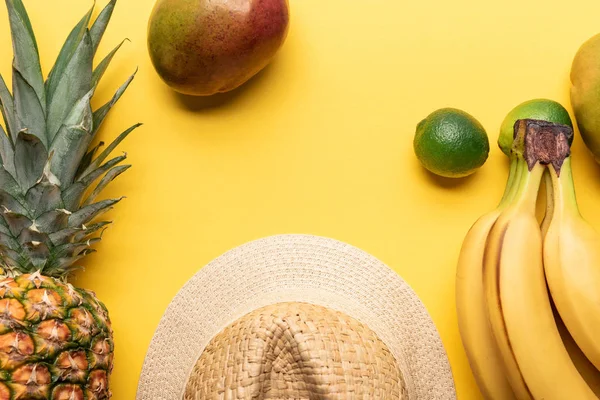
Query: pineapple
55,340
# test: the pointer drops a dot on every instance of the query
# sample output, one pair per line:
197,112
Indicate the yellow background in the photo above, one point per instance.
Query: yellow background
319,143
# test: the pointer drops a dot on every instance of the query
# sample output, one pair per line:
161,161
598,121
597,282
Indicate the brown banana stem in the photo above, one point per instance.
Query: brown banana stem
543,142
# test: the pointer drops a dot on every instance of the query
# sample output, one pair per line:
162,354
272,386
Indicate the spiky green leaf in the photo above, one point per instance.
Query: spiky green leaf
87,159
8,183
19,8
70,249
70,235
72,140
8,109
42,197
30,158
58,125
38,253
90,230
70,145
72,196
32,235
92,241
103,65
99,27
100,114
87,213
47,175
29,113
66,54
98,160
95,174
64,236
106,179
52,221
72,86
88,179
61,266
8,241
10,202
26,58
81,114
16,222
74,249
11,258
4,227
7,153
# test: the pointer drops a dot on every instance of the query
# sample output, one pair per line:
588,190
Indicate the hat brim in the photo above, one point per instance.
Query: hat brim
296,268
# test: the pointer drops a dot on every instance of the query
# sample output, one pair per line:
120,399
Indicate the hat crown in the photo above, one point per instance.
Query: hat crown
296,350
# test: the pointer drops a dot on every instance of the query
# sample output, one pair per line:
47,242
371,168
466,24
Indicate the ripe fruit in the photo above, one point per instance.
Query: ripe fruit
572,264
55,340
587,370
585,80
451,143
202,47
477,337
540,109
505,271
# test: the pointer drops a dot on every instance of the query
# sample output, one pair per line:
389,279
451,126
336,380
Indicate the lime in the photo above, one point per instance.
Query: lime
543,109
451,143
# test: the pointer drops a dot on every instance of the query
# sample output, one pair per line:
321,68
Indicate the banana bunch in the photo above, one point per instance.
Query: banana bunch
528,295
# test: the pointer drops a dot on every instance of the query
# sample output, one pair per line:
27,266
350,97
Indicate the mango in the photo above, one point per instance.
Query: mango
203,47
585,93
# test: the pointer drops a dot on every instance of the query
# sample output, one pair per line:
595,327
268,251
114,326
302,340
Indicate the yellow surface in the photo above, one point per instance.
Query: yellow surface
319,143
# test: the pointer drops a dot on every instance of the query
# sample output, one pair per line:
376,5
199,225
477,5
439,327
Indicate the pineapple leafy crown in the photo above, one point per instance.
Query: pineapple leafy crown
51,175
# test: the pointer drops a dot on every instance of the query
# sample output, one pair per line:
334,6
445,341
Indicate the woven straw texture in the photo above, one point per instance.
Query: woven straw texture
296,351
296,268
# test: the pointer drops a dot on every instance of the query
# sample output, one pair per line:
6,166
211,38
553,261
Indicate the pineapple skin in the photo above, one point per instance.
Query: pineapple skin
55,341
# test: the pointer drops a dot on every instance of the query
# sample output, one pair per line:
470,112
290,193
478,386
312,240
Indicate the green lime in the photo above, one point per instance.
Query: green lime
451,143
543,109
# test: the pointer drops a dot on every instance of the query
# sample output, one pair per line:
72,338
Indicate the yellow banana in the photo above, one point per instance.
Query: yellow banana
572,265
587,370
536,361
473,322
492,293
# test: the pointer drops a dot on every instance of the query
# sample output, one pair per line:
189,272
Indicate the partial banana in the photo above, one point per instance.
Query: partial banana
496,241
535,359
572,265
587,370
473,322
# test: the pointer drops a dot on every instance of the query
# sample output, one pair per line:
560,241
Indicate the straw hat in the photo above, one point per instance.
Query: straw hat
296,317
